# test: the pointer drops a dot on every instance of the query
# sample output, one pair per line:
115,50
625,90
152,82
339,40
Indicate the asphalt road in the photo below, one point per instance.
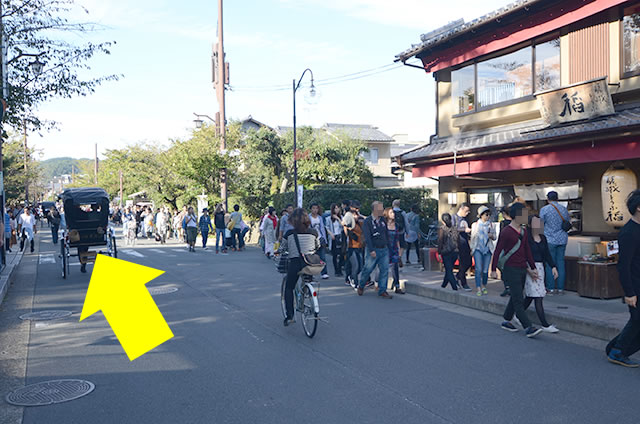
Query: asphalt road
407,360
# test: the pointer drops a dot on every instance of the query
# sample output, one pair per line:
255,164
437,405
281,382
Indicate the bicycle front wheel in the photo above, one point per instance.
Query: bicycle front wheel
282,302
308,313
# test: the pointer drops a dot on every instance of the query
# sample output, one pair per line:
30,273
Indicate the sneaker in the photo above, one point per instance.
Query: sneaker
479,293
360,291
205,248
385,295
616,357
325,276
400,291
370,284
485,291
505,293
533,331
508,326
83,268
466,288
289,321
517,321
550,329
348,282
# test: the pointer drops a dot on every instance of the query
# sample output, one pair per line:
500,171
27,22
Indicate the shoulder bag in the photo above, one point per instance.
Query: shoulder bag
503,258
313,264
566,225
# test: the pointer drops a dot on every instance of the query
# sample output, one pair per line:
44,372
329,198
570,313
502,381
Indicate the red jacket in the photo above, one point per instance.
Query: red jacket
507,240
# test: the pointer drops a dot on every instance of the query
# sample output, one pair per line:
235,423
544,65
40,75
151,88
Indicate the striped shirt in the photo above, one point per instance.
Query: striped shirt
309,243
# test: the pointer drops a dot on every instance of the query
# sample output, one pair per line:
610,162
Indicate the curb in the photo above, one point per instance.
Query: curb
598,329
5,276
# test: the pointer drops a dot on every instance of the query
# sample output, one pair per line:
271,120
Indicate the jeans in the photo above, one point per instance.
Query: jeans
236,234
54,233
449,260
295,266
628,341
243,233
355,259
515,278
205,237
219,237
483,260
382,262
395,274
557,253
322,252
338,259
465,262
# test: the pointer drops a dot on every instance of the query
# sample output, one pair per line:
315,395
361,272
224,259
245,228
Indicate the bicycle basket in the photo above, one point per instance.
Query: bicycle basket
283,263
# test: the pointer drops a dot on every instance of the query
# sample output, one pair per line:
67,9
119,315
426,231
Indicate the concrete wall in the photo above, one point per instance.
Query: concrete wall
589,174
383,167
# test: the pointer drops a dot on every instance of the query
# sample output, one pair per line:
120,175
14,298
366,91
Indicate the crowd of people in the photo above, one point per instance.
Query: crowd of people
364,250
162,224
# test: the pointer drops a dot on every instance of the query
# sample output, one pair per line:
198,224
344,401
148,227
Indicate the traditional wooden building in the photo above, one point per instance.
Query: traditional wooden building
540,95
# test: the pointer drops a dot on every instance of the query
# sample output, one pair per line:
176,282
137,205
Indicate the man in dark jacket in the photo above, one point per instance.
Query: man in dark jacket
627,342
377,250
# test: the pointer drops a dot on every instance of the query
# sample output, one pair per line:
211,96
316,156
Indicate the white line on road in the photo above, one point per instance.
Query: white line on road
133,253
47,259
179,250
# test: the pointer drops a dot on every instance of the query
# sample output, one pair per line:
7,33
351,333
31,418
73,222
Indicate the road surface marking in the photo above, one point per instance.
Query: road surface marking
133,253
47,259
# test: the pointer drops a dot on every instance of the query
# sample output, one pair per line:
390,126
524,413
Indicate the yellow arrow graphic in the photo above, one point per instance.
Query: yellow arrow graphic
117,288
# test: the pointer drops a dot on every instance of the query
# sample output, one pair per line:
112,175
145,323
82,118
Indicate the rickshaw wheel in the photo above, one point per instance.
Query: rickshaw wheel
65,259
114,248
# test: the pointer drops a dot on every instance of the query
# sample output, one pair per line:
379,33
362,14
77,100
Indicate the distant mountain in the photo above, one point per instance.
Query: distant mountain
59,166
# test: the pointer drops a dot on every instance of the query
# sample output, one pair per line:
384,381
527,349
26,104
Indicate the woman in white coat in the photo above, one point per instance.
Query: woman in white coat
483,236
268,228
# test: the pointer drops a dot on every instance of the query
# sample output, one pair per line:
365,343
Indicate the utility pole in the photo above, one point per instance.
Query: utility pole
95,165
121,189
26,167
221,78
3,96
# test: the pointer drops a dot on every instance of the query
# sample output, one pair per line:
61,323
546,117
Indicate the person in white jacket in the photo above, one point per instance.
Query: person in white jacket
268,228
483,236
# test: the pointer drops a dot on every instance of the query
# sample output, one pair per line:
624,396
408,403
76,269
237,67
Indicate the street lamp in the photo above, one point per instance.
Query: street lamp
311,95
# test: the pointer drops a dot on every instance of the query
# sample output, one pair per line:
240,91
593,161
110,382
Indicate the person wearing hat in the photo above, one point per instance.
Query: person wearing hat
482,245
205,227
556,219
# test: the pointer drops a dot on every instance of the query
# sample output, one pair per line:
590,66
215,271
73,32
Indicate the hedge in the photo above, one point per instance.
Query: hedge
325,196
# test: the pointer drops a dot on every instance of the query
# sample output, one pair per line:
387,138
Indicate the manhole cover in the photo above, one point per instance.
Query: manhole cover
50,392
45,315
154,291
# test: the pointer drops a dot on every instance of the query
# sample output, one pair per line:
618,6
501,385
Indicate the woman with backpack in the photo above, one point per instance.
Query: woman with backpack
448,250
336,232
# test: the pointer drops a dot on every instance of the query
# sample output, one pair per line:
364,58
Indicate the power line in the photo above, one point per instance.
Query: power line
324,81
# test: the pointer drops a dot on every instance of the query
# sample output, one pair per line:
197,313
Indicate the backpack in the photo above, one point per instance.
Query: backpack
450,244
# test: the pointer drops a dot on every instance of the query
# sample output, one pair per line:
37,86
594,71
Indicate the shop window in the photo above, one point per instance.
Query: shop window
505,78
631,41
548,65
463,89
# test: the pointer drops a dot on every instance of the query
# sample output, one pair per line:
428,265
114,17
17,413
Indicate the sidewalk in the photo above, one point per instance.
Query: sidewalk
13,259
598,318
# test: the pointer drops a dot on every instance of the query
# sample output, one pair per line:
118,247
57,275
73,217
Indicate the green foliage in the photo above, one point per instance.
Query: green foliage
43,28
64,166
326,196
14,175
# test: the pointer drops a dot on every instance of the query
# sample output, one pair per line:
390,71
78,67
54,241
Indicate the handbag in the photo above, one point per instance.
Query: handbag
313,264
566,225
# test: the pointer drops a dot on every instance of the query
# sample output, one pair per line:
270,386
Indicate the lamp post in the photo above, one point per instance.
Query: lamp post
312,93
219,130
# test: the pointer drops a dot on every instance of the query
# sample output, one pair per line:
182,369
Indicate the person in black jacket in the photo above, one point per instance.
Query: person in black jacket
218,222
534,289
377,250
627,342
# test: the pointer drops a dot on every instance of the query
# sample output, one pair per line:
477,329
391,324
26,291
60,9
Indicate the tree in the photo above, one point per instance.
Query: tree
14,175
43,28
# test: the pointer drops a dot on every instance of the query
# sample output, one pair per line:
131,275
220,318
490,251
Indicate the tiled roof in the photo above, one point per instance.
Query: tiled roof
440,36
358,132
530,132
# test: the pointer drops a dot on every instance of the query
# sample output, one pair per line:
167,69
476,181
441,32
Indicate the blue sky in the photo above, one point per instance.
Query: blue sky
164,48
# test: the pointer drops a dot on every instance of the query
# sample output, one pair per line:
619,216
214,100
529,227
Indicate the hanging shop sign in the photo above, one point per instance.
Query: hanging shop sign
617,183
577,102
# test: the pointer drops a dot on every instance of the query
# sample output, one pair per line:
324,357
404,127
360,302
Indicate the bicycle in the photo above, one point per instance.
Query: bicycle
305,302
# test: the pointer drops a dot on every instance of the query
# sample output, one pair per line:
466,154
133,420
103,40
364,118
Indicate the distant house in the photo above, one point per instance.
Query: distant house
249,124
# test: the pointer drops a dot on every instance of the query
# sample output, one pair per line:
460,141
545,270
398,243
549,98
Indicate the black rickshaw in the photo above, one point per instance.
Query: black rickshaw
86,215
